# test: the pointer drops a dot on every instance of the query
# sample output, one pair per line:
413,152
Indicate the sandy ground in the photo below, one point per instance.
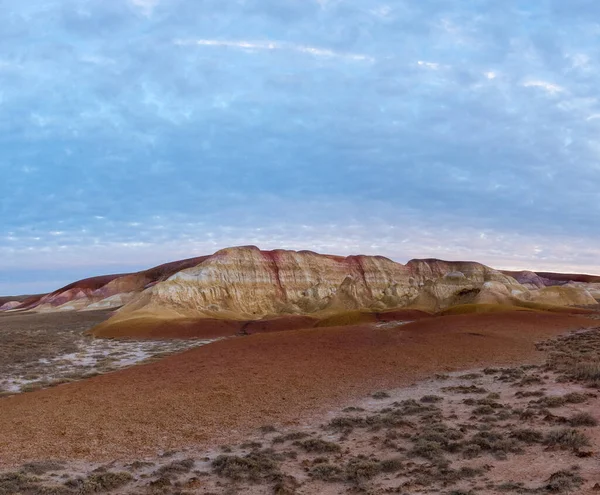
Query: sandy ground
222,391
477,432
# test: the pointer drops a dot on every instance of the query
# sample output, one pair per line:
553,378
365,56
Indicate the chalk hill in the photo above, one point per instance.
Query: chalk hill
247,283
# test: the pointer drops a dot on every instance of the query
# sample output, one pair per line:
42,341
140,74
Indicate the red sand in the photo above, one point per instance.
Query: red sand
221,391
197,328
279,324
154,328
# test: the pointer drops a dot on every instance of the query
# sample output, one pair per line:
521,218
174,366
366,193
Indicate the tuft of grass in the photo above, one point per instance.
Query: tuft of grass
16,483
255,466
327,472
316,445
99,482
381,395
566,438
175,468
582,419
42,467
430,399
563,481
462,389
296,435
587,371
528,436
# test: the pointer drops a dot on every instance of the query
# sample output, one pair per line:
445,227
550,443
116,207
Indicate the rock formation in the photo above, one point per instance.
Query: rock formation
246,283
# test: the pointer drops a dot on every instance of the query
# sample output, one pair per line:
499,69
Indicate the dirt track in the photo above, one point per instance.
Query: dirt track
223,390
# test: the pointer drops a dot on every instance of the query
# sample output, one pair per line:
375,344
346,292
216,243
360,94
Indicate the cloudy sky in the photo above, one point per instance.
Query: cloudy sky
135,132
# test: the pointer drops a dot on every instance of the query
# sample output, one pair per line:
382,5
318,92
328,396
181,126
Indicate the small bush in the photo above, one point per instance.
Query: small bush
575,398
175,468
483,410
381,395
583,419
566,439
427,449
587,371
430,399
326,472
317,445
528,436
472,389
255,466
100,482
360,470
15,483
42,467
563,481
550,402
298,435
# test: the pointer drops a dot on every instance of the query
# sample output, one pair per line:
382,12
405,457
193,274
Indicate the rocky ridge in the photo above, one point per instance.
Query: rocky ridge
247,283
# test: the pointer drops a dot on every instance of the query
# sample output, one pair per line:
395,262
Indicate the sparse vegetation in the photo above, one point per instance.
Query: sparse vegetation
419,443
563,481
566,439
381,395
254,467
583,419
316,445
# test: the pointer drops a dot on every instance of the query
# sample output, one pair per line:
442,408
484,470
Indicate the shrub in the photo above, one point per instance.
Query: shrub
431,398
318,445
563,481
381,395
427,449
252,467
359,470
100,482
175,468
566,439
326,472
583,419
528,436
42,467
587,371
472,389
575,398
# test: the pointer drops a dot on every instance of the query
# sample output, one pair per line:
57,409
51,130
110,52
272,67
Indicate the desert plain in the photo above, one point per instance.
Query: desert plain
296,373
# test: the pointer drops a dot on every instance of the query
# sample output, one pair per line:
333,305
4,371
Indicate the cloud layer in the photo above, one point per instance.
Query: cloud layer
135,132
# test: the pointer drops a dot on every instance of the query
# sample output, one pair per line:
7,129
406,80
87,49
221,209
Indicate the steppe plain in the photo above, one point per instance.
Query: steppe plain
475,398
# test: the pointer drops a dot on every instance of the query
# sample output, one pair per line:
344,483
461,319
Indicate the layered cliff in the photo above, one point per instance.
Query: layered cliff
245,283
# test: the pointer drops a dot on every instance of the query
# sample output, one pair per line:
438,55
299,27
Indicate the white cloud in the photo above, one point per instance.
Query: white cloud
547,86
428,65
579,61
276,46
146,6
490,75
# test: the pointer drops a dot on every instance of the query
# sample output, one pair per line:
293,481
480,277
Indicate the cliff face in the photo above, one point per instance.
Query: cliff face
247,283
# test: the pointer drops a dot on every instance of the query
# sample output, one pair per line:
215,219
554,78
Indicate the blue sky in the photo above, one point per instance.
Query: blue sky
134,132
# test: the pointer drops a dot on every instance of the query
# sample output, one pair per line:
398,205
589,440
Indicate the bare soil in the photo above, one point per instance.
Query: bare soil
527,429
221,392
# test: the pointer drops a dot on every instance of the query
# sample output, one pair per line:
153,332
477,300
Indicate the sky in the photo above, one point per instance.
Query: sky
135,132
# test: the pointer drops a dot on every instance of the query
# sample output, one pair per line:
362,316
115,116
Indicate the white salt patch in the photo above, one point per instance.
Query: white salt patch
95,356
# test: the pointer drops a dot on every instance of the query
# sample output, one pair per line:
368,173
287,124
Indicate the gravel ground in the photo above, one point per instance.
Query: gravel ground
222,391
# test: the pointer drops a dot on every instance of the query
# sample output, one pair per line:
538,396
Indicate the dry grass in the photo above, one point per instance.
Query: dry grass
28,337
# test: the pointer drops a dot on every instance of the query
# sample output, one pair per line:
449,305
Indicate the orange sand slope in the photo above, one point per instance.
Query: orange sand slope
151,327
223,390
